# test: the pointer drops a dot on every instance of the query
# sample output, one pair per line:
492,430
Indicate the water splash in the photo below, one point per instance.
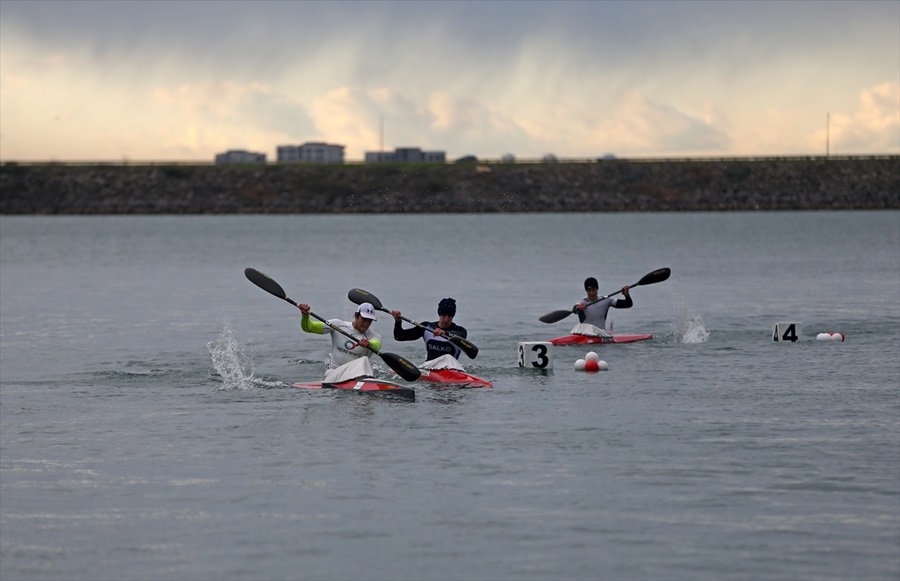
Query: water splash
233,365
690,329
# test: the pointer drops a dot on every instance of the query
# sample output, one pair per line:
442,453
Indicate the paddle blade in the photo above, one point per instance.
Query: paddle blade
655,277
264,282
554,316
403,367
467,347
359,296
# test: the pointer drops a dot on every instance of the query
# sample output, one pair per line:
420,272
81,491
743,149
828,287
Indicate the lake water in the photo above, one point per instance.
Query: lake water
148,430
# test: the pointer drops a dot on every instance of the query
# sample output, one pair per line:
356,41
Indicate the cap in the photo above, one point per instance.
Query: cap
447,307
367,311
590,282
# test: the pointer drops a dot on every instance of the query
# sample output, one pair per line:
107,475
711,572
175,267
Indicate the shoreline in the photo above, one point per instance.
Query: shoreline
853,183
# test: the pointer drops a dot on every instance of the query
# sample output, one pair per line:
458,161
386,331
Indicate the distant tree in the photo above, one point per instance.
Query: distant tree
508,158
467,159
549,158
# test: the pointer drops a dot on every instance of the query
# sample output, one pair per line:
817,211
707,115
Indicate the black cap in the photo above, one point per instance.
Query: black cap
447,307
590,282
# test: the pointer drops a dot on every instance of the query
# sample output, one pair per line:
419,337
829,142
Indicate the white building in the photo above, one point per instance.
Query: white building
310,152
406,155
240,156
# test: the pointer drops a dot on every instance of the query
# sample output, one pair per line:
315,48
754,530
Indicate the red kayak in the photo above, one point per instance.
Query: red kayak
453,377
365,384
594,340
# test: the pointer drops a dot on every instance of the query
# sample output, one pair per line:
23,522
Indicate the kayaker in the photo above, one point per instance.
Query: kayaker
435,344
344,349
592,311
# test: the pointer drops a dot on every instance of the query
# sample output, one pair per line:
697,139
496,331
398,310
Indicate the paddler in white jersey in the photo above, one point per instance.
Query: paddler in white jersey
592,311
343,348
435,344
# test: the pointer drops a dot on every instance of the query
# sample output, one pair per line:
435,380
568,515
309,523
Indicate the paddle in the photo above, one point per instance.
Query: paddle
360,296
652,278
403,367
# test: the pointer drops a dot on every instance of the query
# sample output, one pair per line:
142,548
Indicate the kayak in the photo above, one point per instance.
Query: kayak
447,370
587,334
453,377
366,385
595,340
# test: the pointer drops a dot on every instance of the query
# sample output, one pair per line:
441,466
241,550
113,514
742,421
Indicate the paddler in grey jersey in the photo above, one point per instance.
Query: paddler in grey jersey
435,344
592,311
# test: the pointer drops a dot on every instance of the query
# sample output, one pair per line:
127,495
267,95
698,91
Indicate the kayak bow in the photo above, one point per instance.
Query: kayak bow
453,377
599,340
366,385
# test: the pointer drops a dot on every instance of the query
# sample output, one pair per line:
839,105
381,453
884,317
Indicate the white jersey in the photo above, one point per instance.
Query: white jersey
343,348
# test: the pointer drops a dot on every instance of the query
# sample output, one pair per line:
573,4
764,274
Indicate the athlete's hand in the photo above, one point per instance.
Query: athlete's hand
625,290
396,315
304,309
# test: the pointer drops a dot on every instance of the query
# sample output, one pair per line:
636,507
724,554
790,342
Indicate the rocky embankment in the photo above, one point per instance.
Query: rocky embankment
603,186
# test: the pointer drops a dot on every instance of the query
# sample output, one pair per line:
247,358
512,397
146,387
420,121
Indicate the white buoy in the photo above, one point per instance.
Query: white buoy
603,365
837,337
592,356
579,365
823,337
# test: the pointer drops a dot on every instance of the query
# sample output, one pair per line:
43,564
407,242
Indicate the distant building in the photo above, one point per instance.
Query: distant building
310,152
240,156
406,155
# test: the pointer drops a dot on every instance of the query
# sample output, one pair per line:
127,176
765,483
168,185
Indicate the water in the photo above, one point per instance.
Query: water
147,430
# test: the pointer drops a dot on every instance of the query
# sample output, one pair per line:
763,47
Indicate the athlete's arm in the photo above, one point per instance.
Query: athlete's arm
311,326
458,331
625,303
401,334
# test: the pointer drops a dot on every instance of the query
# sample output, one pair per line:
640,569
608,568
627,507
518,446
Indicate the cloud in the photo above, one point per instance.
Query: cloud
229,115
873,127
642,125
214,98
358,118
578,79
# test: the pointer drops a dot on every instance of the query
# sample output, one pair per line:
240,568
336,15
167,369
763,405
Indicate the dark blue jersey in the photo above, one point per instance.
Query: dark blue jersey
434,346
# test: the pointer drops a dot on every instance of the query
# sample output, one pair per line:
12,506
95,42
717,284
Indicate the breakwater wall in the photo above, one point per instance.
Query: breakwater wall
859,183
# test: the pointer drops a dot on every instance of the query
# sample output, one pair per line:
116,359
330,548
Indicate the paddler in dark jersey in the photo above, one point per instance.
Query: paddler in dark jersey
592,311
435,344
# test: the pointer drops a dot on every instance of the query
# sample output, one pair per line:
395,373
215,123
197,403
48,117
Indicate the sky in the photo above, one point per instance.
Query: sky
135,81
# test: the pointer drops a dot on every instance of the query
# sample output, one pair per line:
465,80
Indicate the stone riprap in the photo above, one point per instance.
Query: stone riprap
859,183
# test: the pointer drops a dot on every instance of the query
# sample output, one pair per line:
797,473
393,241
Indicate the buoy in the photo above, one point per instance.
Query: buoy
834,337
580,364
592,356
603,365
591,366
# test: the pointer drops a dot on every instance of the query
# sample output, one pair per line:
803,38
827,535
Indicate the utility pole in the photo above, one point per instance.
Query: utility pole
827,134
